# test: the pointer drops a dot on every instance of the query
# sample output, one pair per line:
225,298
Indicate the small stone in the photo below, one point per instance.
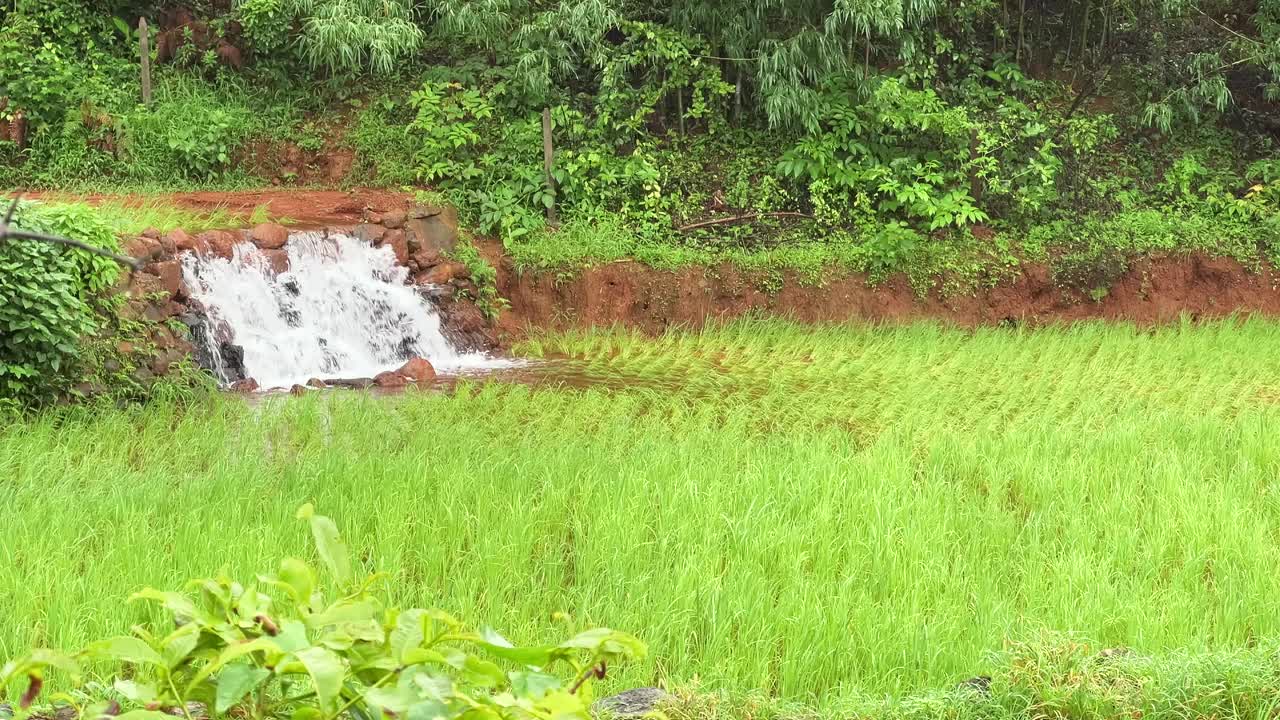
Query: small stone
357,383
298,390
151,233
390,379
419,370
269,236
316,383
248,385
632,703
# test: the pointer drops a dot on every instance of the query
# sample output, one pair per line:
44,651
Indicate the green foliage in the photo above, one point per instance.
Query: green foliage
47,297
203,148
341,37
482,273
303,644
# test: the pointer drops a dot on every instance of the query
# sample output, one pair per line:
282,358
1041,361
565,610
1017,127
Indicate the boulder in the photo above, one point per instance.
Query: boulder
143,248
369,233
390,379
465,317
298,390
277,260
167,247
316,383
441,274
393,219
269,236
395,239
437,230
170,274
182,242
162,363
220,242
248,385
423,260
631,704
418,370
151,233
147,286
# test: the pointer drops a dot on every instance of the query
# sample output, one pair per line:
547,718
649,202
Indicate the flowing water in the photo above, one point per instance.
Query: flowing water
342,310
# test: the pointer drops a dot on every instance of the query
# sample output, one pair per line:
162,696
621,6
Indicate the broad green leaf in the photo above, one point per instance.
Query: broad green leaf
327,672
409,633
179,644
125,649
299,576
233,652
234,682
177,603
500,647
533,685
140,693
292,637
329,544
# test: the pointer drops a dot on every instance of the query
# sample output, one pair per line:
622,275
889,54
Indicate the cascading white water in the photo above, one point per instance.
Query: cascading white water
342,310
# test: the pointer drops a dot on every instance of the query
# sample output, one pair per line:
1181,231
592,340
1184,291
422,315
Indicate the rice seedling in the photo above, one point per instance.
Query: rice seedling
821,515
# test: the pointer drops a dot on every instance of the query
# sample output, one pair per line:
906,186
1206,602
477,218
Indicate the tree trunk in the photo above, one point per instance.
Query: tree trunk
548,158
1022,27
144,53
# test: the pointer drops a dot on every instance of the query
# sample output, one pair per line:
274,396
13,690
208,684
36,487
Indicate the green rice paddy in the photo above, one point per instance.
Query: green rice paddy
807,514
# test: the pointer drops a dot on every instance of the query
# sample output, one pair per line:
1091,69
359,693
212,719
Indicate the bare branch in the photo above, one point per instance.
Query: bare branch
742,218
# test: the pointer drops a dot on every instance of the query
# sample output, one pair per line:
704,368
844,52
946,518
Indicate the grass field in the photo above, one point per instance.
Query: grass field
808,514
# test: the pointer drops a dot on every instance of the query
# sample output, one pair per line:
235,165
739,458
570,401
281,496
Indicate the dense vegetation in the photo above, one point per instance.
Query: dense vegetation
950,139
817,515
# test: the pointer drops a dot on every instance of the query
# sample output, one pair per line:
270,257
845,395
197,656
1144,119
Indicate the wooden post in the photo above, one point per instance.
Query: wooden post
548,157
144,51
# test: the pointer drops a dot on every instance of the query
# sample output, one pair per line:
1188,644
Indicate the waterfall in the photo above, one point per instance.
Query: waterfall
342,310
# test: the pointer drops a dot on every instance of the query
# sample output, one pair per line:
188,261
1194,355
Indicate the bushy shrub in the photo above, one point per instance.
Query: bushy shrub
300,645
47,295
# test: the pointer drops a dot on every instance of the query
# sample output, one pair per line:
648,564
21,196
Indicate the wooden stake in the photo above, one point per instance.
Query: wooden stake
144,51
548,158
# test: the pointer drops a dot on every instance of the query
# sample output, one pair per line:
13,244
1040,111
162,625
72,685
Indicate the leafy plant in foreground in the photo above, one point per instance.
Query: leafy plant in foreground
288,645
46,300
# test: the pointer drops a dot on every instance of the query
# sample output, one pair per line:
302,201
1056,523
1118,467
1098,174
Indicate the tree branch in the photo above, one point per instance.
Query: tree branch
7,231
742,218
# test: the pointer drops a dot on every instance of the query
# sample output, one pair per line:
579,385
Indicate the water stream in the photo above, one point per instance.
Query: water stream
342,310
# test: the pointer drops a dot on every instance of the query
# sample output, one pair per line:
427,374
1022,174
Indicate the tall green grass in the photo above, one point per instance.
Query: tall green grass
810,514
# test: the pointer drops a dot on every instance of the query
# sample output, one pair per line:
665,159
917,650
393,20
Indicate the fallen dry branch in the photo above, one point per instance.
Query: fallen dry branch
743,218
